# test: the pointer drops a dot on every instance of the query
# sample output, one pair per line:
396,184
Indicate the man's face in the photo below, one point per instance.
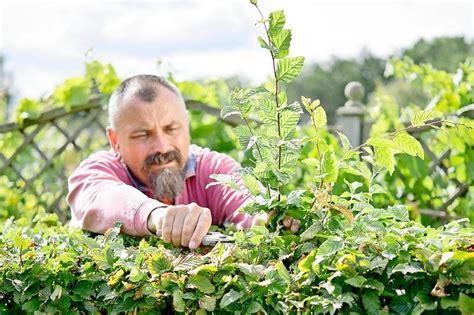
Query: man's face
153,140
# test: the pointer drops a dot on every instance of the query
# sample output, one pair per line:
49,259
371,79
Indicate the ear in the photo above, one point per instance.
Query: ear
113,139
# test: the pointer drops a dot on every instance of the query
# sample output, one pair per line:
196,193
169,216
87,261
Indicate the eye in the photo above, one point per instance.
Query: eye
171,128
139,135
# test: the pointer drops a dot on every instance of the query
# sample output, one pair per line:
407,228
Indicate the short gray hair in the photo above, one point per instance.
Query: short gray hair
145,87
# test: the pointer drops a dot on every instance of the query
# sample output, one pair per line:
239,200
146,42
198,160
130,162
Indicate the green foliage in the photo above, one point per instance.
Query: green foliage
27,109
414,181
444,53
380,260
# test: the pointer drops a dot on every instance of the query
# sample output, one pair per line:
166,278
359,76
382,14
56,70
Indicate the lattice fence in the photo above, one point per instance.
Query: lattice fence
38,156
439,167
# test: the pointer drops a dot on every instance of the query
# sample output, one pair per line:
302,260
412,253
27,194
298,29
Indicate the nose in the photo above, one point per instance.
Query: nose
161,144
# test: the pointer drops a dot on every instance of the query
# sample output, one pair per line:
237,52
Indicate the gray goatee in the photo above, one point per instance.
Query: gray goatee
166,182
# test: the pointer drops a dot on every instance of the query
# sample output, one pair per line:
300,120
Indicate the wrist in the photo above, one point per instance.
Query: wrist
153,219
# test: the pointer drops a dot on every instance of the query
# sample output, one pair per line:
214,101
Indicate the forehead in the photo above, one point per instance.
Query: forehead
163,109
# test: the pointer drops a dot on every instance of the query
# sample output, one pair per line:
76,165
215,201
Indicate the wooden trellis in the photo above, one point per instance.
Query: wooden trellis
36,163
438,167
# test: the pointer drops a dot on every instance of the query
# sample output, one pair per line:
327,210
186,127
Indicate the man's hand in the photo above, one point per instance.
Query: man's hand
291,224
183,225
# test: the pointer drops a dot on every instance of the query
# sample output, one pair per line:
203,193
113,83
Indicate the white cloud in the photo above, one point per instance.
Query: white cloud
45,41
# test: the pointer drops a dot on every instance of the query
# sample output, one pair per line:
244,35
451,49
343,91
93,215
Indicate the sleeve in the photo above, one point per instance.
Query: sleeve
98,198
223,201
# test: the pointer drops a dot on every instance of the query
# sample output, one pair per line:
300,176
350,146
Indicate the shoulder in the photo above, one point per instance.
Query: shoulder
106,160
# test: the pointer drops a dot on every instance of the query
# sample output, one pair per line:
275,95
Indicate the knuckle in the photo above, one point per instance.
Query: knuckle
187,231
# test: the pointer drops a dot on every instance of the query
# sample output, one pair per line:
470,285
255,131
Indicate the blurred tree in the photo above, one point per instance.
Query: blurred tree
443,53
327,81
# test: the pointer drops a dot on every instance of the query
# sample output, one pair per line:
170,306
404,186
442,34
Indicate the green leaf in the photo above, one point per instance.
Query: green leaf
305,264
244,136
288,122
406,268
319,117
357,281
289,68
239,104
31,306
276,21
263,43
27,109
158,263
115,277
371,302
224,179
401,305
466,304
384,157
311,162
419,118
254,307
58,290
311,232
281,42
344,141
381,142
252,184
73,92
136,275
283,272
294,197
187,262
408,144
202,284
208,303
400,212
330,168
330,246
178,302
230,297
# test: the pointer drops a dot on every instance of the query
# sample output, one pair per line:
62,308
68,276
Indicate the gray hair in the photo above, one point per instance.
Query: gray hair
144,87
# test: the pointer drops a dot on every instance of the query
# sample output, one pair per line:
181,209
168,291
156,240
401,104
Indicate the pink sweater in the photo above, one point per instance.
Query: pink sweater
102,191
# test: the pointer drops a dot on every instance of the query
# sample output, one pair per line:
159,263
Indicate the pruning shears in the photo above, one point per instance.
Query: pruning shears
211,238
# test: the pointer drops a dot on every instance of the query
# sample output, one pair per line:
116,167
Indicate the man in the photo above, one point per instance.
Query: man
154,181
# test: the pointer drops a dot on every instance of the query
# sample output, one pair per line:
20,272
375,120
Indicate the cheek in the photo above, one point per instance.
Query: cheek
134,156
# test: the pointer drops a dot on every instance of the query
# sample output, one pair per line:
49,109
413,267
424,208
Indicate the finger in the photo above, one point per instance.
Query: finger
178,223
287,221
295,226
190,223
202,226
167,224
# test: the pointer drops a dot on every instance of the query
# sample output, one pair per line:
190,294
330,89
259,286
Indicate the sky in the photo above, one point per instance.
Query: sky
45,42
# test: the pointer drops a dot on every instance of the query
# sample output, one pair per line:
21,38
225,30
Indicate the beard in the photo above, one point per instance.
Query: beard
166,183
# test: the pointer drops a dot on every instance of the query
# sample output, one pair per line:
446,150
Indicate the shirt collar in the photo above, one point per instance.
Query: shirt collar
189,171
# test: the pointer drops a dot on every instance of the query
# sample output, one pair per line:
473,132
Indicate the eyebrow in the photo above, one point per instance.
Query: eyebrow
143,129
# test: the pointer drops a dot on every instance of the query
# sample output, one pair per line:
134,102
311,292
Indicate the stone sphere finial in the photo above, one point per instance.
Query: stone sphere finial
354,91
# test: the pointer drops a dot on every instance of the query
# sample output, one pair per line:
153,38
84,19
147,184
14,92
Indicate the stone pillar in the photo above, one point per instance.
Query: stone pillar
350,117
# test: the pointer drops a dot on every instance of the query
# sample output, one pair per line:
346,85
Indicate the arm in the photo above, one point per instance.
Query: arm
99,196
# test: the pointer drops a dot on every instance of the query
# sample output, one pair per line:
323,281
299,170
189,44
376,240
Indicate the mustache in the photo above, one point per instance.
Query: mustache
163,158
